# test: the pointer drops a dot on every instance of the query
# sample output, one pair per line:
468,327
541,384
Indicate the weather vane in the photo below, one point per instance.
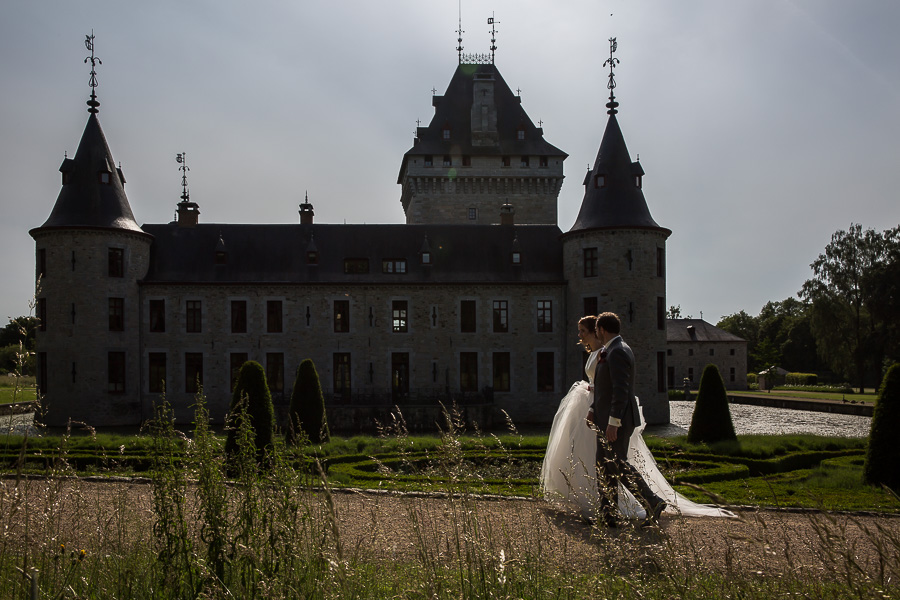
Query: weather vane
182,160
612,62
459,32
89,44
492,22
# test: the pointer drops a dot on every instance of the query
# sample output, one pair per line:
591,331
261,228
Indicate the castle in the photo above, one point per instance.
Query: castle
474,300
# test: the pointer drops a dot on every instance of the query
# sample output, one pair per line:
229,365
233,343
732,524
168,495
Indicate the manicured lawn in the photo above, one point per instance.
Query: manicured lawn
867,397
8,394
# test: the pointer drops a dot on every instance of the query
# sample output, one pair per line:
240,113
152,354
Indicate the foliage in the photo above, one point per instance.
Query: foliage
711,421
852,311
808,379
251,402
883,456
19,329
674,312
307,412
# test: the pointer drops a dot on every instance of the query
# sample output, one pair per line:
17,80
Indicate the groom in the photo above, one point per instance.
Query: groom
615,413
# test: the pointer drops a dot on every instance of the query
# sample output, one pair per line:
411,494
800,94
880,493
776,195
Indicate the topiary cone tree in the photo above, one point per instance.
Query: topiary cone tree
711,421
307,411
251,393
883,454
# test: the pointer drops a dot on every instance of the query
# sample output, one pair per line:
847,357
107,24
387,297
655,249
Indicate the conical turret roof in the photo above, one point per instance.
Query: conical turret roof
613,197
93,191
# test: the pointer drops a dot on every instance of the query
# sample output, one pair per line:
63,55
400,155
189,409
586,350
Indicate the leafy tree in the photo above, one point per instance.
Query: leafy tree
307,412
251,399
674,312
883,453
19,329
711,421
849,332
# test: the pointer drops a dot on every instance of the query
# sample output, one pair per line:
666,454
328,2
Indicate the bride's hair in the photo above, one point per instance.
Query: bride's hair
590,322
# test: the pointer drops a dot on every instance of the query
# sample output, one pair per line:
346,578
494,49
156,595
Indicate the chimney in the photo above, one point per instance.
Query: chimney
306,212
507,214
188,214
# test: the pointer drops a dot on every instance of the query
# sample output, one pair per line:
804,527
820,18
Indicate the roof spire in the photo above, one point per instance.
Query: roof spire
493,23
459,32
612,62
89,44
182,160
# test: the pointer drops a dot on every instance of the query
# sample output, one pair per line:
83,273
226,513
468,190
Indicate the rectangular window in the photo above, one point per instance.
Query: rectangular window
712,351
429,161
472,213
116,262
545,315
238,316
690,351
193,372
399,322
116,372
690,374
660,262
193,316
341,316
273,316
399,375
732,374
501,371
41,263
468,371
501,316
156,372
731,351
660,371
590,306
660,312
275,372
524,162
236,361
341,370
41,311
393,265
117,314
42,373
591,262
467,316
447,161
157,316
356,266
544,161
466,160
506,161
545,368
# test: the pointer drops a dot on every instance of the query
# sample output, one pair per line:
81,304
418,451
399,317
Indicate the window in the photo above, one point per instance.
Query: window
660,312
193,372
516,257
732,375
41,263
524,162
42,373
690,374
429,161
467,316
637,181
393,265
356,266
712,351
117,314
399,322
193,316
447,161
599,181
591,262
543,161
661,372
544,371
426,258
115,372
399,375
341,384
506,161
116,258
468,371
660,262
238,316
545,315
236,361
501,316
669,352
472,213
273,316
731,351
41,310
312,257
157,316
275,372
520,135
156,373
104,177
590,306
341,316
501,371
690,351
446,134
466,160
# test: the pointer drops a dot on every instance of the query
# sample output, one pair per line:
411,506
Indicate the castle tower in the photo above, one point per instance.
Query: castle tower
90,254
479,152
614,260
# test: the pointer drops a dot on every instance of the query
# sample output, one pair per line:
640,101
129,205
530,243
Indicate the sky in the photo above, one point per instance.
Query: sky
763,126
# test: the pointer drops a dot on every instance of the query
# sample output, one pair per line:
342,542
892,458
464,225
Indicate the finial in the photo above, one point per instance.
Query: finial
459,32
492,22
612,62
433,91
89,44
182,160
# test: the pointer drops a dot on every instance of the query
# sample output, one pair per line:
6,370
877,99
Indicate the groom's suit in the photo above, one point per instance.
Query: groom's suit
614,397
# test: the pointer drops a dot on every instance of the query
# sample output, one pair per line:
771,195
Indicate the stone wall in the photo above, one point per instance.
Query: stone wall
688,359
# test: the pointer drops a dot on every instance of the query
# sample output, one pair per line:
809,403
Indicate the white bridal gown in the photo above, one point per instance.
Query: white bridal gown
569,475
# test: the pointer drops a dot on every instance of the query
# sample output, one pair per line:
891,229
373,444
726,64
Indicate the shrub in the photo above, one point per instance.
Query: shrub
251,398
752,379
801,379
307,411
883,455
711,421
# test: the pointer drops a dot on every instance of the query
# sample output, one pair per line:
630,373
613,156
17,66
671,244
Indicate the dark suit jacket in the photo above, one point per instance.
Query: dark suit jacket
614,388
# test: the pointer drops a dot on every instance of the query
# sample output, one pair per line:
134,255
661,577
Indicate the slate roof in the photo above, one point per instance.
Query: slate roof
453,110
84,201
697,330
619,203
475,254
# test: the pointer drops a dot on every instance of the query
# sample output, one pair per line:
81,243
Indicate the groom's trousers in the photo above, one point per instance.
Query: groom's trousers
613,468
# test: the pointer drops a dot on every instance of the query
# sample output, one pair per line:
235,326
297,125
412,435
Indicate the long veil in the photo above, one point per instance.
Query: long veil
569,477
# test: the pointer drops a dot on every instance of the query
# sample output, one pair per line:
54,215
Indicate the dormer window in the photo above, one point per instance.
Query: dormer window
221,257
517,258
429,161
599,181
506,161
426,258
637,181
446,133
66,177
524,161
520,135
543,161
312,257
104,177
447,161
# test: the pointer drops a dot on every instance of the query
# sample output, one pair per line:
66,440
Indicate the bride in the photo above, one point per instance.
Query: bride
569,473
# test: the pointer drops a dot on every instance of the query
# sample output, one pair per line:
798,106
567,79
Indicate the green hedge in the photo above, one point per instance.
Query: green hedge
801,379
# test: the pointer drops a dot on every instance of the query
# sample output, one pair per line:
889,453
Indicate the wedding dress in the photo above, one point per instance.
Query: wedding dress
569,474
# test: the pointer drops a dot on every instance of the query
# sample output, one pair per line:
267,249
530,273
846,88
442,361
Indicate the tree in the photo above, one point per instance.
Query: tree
19,329
674,312
848,332
251,400
711,421
883,453
307,412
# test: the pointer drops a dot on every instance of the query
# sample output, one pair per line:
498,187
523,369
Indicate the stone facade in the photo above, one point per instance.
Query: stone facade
693,344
